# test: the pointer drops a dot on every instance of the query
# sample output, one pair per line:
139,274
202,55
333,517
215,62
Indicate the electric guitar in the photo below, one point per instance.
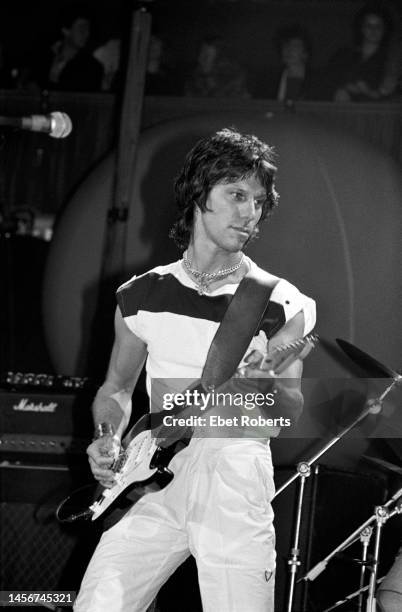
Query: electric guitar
142,464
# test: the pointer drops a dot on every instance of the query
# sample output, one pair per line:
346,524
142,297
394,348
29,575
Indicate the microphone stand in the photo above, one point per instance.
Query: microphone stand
373,406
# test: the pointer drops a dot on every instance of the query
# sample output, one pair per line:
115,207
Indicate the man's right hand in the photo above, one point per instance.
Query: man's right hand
102,453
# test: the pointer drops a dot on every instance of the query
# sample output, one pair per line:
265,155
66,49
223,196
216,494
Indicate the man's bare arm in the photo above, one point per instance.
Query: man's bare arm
291,398
292,330
112,402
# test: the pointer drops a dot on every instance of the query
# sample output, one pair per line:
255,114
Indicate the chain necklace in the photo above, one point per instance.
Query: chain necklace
204,279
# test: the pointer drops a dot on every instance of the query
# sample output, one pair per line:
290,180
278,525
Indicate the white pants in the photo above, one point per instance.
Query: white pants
217,508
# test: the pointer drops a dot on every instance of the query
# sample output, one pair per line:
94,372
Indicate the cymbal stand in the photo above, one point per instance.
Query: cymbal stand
320,567
351,596
365,536
303,471
382,514
373,406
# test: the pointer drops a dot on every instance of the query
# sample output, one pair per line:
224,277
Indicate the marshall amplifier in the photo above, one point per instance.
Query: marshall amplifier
44,415
45,427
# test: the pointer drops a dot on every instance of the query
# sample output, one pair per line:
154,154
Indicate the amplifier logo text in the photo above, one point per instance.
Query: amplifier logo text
26,406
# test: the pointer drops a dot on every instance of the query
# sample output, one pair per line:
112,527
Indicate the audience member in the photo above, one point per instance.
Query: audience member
161,79
216,74
293,79
366,71
67,64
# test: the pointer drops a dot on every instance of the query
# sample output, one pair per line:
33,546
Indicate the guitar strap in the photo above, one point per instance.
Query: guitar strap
249,305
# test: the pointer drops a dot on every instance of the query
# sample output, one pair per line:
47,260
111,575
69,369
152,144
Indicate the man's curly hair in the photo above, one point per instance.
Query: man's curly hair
225,157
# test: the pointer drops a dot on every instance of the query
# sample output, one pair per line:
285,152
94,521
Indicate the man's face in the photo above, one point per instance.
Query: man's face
234,210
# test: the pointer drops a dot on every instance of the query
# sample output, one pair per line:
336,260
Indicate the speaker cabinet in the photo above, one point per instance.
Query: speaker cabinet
36,551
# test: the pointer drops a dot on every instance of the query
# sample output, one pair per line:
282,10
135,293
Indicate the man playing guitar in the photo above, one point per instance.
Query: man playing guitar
218,505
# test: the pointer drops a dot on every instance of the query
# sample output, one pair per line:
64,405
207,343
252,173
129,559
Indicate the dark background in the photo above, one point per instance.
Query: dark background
40,175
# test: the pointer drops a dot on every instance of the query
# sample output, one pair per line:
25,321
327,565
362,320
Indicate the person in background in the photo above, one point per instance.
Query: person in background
366,71
216,75
68,63
160,79
293,79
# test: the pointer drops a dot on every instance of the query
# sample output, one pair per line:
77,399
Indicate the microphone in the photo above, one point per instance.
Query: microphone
57,124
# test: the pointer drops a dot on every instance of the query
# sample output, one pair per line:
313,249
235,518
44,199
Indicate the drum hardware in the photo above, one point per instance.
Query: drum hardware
365,537
374,368
387,465
321,565
359,593
303,471
380,516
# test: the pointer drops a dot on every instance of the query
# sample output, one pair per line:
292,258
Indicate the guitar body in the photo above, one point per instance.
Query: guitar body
111,515
143,468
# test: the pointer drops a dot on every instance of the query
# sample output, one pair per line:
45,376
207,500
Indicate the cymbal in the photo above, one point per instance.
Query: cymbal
384,464
374,368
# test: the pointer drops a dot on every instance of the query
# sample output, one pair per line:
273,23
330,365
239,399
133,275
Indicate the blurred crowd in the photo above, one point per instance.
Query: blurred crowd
369,69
